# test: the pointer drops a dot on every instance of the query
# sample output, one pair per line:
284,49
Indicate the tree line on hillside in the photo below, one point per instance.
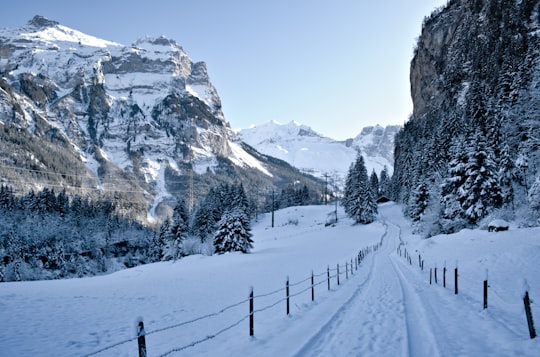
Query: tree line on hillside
45,235
49,235
476,155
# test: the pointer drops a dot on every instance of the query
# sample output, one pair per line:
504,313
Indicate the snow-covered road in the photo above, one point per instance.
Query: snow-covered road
383,316
395,312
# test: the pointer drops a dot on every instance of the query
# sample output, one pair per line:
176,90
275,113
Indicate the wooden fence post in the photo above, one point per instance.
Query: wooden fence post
352,270
287,293
455,281
528,314
444,276
347,270
430,273
337,274
251,329
328,275
312,286
485,293
141,340
436,275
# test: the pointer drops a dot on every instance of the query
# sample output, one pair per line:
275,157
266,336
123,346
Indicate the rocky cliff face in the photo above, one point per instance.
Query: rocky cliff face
134,120
474,78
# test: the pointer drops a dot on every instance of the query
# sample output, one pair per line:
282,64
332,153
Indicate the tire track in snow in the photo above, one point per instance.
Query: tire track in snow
375,320
421,340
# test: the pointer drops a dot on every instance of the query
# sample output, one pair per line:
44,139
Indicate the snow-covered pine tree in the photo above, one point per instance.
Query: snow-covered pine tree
480,192
418,202
452,215
233,233
162,242
178,230
359,202
384,183
346,201
203,224
534,197
374,183
507,175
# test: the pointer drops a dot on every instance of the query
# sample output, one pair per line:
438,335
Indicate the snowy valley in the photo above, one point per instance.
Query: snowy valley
148,176
385,307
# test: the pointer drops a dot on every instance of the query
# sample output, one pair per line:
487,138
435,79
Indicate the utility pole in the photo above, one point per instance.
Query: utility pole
272,208
335,188
190,195
325,189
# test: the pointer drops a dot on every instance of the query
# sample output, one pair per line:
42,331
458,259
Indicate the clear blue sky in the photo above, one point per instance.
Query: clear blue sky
336,66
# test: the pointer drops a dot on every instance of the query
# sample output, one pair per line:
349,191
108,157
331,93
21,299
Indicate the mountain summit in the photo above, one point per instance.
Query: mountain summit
142,122
318,155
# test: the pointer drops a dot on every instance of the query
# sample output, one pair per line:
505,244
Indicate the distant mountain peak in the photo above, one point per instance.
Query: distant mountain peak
313,153
44,31
158,41
144,115
40,22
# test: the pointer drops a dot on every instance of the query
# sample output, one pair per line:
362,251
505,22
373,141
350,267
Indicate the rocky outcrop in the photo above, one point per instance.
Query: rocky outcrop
474,77
140,119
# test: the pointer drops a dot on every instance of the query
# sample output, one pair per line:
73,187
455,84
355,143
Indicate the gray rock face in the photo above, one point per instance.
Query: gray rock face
136,117
475,78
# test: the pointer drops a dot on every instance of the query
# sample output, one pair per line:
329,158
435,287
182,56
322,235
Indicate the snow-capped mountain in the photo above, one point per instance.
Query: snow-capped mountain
316,154
144,119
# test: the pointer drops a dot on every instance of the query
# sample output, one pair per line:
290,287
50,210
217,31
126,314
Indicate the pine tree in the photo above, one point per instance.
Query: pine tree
419,202
204,222
480,191
507,175
374,183
239,199
177,233
358,201
534,196
384,183
233,233
452,215
159,242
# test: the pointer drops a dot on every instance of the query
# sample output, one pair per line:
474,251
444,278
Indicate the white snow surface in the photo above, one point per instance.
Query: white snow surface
241,158
64,35
387,308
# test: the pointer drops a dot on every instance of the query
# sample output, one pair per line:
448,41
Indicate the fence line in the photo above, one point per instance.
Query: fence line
312,284
486,285
193,344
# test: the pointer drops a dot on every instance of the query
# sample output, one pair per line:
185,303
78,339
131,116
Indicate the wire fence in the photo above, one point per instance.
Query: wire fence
435,279
314,280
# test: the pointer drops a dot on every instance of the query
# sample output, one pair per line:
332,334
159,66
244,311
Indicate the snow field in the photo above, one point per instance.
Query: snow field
80,316
387,308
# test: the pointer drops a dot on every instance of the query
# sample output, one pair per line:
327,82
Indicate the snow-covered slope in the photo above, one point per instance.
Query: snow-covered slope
311,152
139,118
385,308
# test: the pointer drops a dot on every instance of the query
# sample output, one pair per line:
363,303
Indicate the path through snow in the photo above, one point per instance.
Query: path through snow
394,312
383,317
388,308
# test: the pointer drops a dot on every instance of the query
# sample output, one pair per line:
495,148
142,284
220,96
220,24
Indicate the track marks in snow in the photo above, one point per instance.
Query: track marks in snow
382,317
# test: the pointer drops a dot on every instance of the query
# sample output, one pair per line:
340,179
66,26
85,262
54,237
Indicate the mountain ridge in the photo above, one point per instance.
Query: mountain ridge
142,119
319,155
